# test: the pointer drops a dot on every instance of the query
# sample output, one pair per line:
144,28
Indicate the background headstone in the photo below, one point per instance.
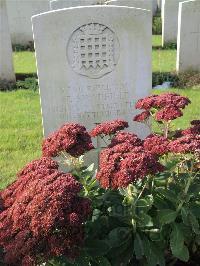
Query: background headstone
59,4
6,61
93,68
188,45
19,17
159,4
170,21
144,4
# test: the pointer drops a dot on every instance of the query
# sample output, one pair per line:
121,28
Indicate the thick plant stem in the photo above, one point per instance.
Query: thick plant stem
191,178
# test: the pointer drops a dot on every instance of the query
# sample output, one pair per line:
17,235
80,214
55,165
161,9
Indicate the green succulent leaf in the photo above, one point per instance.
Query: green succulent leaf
176,239
96,248
167,216
138,247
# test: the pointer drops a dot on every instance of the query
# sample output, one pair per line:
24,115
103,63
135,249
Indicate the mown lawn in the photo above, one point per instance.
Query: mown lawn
162,60
24,62
21,128
20,131
156,40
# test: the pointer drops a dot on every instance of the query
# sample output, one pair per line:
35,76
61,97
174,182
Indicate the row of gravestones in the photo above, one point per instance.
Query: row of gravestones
93,62
24,9
181,25
21,11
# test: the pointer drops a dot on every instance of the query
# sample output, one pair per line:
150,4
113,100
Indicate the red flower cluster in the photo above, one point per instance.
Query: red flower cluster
167,104
71,138
109,127
43,167
185,144
125,137
160,101
142,117
44,216
168,113
195,129
125,161
156,144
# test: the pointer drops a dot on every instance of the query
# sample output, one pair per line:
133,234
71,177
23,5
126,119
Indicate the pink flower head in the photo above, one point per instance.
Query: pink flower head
109,127
168,113
44,217
156,144
162,100
124,163
146,103
71,138
185,144
169,99
142,117
195,130
125,137
34,170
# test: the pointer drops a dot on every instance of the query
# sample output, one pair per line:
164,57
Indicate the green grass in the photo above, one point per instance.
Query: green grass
156,40
162,60
24,62
21,130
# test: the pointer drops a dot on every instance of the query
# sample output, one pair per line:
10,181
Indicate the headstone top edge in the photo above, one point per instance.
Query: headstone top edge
98,7
189,2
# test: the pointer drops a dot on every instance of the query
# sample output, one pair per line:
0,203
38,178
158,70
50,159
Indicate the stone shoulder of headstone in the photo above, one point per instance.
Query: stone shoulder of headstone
59,4
6,61
93,68
170,21
188,44
144,4
19,16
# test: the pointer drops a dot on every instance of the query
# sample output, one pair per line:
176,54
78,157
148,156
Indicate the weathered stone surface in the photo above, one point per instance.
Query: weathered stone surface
95,67
188,45
169,21
19,17
159,3
59,4
6,61
144,4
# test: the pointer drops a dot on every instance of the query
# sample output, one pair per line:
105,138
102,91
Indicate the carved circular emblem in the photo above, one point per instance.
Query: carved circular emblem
93,50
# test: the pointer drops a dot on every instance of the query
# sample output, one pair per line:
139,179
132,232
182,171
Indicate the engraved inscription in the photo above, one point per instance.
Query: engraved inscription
98,103
93,50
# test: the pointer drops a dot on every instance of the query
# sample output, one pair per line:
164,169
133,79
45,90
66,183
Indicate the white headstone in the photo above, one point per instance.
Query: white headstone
59,4
6,61
159,3
92,68
170,21
154,6
19,17
188,48
144,4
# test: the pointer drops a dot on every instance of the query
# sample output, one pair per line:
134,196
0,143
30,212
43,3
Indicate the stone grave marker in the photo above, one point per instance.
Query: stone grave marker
6,62
144,4
188,45
95,67
59,4
170,21
19,18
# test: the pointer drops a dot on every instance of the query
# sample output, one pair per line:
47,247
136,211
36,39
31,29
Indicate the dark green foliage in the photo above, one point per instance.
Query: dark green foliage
157,25
28,83
20,47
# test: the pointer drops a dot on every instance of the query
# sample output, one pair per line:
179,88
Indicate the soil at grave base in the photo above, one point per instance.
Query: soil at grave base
194,261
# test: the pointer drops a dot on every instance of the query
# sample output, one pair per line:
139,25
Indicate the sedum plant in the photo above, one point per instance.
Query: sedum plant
140,207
